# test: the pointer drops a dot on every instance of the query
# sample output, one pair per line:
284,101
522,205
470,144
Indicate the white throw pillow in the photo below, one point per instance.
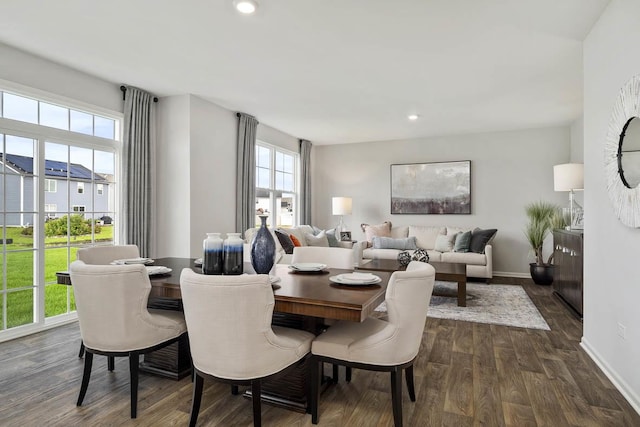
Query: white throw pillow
444,243
319,240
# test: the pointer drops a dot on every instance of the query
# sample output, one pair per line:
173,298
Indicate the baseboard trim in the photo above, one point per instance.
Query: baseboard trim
512,274
617,381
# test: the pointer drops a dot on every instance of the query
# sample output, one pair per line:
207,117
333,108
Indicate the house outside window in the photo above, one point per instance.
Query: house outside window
80,187
50,185
276,185
48,145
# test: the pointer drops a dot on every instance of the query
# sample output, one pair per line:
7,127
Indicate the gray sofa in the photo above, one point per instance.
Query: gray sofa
478,264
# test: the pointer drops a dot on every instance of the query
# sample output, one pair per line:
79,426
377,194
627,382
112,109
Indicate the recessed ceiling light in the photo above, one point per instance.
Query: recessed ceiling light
413,117
246,6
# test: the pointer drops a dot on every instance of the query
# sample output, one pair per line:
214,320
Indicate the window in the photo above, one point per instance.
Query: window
50,186
80,187
48,146
276,185
99,189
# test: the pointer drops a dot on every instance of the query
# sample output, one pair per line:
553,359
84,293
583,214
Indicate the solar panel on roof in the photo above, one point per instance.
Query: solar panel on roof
52,167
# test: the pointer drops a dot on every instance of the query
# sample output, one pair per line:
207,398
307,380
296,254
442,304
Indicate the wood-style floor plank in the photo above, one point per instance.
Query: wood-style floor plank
466,374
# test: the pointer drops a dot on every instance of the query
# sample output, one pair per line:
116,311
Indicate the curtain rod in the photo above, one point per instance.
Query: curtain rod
124,91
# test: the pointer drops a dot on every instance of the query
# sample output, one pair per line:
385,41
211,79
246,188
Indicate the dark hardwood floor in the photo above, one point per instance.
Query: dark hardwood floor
466,374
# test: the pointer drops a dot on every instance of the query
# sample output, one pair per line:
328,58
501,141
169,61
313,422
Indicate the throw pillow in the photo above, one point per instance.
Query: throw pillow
285,241
380,230
480,239
389,243
404,258
463,240
295,240
331,237
445,242
319,240
420,255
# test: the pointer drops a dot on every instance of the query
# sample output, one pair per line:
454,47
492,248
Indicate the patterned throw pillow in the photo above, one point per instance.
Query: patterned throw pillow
404,258
420,255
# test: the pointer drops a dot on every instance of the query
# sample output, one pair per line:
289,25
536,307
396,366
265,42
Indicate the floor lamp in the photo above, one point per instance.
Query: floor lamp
341,206
569,177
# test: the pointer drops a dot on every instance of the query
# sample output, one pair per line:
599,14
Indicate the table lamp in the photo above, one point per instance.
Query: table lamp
341,206
569,177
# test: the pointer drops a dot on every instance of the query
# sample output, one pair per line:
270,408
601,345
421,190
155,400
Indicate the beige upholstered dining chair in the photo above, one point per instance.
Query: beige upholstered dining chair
105,255
332,257
231,336
111,301
380,345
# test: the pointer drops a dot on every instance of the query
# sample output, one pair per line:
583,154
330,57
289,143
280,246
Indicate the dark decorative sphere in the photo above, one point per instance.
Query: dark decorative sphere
420,255
404,258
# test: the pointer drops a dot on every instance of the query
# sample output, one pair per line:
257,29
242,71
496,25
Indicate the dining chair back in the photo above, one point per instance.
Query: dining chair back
230,333
111,301
107,254
381,345
332,257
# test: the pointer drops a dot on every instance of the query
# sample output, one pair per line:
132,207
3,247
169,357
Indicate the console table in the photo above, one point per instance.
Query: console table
568,260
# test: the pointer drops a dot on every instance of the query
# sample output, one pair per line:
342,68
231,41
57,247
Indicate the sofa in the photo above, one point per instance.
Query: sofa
302,235
444,244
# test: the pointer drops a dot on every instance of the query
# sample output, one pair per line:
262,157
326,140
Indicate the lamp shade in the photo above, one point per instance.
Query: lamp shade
341,205
568,176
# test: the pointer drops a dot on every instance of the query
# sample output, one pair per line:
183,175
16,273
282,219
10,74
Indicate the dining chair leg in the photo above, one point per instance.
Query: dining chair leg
396,396
348,374
234,390
81,352
408,373
255,397
88,361
196,399
314,397
134,361
111,363
336,373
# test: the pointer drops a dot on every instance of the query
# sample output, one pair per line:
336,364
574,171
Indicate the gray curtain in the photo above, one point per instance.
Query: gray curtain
305,184
246,173
138,170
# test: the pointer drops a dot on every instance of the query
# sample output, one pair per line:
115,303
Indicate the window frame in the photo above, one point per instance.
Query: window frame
272,190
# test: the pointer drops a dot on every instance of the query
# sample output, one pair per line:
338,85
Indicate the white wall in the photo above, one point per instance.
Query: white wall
508,170
611,288
35,72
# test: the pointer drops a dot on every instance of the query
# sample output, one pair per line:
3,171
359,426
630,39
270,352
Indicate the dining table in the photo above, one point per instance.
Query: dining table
303,300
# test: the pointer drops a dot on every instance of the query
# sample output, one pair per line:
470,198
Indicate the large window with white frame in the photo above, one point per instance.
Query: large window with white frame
276,185
48,145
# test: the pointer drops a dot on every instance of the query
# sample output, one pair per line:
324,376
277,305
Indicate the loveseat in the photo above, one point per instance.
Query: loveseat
302,235
445,244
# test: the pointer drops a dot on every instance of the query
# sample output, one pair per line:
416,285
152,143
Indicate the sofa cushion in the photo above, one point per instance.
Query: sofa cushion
463,240
285,241
480,239
372,253
319,240
456,230
391,243
471,258
298,233
400,232
445,242
426,236
380,230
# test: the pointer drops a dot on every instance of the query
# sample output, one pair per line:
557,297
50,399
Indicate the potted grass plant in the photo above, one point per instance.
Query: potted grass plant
543,217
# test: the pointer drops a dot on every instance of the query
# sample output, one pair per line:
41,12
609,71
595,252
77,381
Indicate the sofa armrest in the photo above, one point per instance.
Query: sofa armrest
488,251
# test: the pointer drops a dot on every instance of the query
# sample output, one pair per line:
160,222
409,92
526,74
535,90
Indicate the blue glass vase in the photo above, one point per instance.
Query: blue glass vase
263,249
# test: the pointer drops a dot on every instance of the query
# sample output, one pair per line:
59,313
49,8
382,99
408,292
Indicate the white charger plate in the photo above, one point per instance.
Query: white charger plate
157,270
129,261
352,279
307,266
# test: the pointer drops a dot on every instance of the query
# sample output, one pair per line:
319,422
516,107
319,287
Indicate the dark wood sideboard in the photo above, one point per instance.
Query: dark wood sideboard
568,261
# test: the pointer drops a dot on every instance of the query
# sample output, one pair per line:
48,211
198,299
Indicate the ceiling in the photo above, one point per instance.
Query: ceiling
332,71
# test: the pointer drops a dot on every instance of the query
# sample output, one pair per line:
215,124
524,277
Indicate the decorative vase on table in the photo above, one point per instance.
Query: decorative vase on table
233,254
263,248
212,260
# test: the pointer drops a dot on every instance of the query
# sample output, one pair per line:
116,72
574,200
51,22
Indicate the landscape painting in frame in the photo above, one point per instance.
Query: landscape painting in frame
431,188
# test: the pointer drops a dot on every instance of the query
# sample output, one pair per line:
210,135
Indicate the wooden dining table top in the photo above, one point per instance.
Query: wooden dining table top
307,294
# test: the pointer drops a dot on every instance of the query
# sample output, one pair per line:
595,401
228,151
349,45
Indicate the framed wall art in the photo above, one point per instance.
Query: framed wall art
431,188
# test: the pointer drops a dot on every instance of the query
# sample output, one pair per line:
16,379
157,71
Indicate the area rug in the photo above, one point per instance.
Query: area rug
507,305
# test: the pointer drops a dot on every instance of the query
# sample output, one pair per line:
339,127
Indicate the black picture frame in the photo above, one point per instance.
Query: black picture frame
431,188
345,236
